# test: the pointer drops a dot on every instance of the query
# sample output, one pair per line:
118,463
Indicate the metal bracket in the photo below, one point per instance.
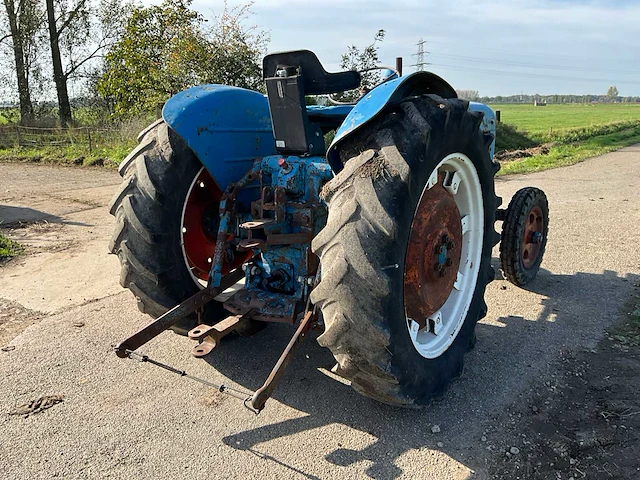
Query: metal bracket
176,314
212,335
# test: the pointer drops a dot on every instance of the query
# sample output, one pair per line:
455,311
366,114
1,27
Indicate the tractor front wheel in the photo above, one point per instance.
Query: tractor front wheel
524,235
406,252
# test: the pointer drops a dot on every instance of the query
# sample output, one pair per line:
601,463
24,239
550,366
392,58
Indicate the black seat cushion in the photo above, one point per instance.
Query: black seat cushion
317,81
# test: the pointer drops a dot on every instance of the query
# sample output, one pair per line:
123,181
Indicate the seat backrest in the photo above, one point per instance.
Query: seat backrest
316,80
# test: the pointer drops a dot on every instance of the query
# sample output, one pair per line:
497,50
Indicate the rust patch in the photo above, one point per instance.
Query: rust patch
433,254
532,237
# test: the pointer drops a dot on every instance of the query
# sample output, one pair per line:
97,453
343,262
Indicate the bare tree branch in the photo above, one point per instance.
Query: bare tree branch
72,15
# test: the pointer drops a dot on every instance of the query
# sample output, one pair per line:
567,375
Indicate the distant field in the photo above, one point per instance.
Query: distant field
538,120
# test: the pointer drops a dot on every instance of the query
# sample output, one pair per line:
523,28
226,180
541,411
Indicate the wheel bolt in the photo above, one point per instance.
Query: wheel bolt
451,245
437,267
449,262
439,249
445,238
443,272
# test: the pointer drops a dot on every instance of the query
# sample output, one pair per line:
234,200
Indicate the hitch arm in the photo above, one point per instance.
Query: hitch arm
261,395
177,313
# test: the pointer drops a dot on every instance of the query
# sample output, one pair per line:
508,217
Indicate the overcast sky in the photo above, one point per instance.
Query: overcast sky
501,47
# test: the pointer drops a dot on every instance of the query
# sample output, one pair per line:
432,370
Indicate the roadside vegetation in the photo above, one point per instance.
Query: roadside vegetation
532,138
8,248
123,60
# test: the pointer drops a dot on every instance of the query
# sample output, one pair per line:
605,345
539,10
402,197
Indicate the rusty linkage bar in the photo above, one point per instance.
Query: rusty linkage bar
261,395
176,314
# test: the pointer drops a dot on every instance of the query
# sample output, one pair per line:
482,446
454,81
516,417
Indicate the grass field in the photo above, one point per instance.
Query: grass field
539,120
569,133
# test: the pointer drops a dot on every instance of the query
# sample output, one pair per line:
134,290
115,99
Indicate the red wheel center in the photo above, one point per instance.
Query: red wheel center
433,254
200,227
532,237
198,242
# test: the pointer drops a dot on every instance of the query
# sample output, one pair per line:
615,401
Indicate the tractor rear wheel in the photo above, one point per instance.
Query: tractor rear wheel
406,252
166,223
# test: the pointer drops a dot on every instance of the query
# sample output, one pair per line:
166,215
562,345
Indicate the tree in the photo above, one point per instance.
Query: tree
361,61
24,20
78,33
167,48
471,95
612,93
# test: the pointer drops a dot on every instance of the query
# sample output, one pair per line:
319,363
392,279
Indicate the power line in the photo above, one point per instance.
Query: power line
529,75
420,64
528,53
530,65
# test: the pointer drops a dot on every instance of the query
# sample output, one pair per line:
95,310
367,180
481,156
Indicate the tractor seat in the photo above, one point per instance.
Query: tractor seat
316,80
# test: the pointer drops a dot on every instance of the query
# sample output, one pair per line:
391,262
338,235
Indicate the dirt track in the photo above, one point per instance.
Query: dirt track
122,419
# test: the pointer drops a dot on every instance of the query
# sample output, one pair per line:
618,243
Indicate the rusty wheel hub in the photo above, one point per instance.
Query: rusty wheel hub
444,250
433,253
532,237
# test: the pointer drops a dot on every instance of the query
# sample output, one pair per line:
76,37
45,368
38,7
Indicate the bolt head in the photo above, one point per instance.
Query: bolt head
445,238
443,272
451,245
449,262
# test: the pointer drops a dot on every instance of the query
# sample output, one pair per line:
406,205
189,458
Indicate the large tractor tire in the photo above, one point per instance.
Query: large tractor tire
166,212
406,252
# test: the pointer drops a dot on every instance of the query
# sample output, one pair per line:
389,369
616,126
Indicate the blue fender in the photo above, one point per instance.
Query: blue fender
374,102
226,127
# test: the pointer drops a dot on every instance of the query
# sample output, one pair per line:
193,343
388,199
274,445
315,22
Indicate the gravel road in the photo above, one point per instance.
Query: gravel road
61,309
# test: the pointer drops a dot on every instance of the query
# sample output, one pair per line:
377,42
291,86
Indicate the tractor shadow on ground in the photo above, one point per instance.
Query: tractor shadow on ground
18,217
512,352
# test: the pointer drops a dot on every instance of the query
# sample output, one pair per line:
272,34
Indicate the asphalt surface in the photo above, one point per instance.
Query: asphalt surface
62,308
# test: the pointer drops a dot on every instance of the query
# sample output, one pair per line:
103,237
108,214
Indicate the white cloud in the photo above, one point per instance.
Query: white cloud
603,36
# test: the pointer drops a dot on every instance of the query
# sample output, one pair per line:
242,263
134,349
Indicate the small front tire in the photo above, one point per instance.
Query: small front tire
524,235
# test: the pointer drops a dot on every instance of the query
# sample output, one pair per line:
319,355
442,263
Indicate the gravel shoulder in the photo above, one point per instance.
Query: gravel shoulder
125,419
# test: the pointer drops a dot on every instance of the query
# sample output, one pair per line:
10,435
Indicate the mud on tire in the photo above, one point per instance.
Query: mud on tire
362,248
156,175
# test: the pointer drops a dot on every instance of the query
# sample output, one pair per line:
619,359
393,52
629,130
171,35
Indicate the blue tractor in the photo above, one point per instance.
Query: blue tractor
234,213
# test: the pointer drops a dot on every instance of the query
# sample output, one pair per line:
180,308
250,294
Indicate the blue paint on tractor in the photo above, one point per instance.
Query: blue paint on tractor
488,124
226,127
375,102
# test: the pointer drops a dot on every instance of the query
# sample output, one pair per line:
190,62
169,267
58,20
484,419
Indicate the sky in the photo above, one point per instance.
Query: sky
502,47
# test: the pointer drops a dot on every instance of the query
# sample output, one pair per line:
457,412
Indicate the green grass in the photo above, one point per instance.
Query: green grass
569,153
540,120
8,248
570,133
58,146
108,155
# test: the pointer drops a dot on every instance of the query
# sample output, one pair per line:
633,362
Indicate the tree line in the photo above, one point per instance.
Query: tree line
123,57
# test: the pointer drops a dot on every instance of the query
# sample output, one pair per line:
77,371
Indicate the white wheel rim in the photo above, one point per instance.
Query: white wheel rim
444,325
199,282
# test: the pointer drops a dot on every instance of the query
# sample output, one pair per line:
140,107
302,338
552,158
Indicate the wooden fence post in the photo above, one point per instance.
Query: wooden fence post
89,139
18,134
